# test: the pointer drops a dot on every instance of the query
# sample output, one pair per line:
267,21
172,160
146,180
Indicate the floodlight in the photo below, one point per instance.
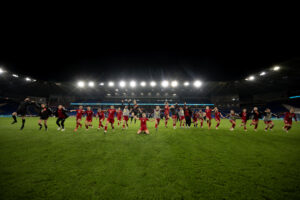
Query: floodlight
143,84
91,84
153,83
15,75
197,83
1,71
186,84
101,84
262,73
122,83
28,79
276,68
111,84
132,84
164,84
174,83
80,84
251,78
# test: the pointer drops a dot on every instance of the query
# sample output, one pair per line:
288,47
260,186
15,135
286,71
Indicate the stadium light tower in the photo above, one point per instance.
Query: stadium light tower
164,84
262,73
276,68
1,71
122,84
153,83
91,84
143,84
197,84
132,84
111,84
80,84
186,83
174,83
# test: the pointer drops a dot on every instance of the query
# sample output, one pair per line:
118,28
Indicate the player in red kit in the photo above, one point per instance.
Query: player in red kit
218,116
208,116
89,118
119,116
256,115
288,119
143,128
101,115
195,118
111,118
244,116
232,116
79,113
167,113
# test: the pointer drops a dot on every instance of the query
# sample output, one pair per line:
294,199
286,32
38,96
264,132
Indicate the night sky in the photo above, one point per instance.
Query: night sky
157,56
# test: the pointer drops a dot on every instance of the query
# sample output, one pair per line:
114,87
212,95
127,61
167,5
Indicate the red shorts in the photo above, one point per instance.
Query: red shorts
232,121
143,128
125,118
254,120
244,121
268,122
157,119
119,118
288,122
174,116
77,118
111,120
195,119
217,119
182,118
102,119
89,119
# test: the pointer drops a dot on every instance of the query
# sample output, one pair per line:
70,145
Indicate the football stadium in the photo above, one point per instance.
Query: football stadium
149,125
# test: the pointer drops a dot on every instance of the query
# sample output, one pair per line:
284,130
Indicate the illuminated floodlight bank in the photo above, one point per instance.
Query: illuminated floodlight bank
186,83
174,83
197,83
276,68
132,84
28,79
262,73
1,71
122,84
80,84
165,84
143,84
91,84
111,84
101,83
153,83
15,75
250,78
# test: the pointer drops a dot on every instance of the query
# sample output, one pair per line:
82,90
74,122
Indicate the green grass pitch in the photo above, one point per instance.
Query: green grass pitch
169,164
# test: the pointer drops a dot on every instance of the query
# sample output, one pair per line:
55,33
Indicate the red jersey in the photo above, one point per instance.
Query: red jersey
111,113
208,113
79,113
101,115
119,113
60,114
244,116
167,110
144,122
89,114
289,116
217,115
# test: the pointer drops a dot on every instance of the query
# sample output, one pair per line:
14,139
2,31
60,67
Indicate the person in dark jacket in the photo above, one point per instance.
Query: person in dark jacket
61,114
22,110
187,114
44,114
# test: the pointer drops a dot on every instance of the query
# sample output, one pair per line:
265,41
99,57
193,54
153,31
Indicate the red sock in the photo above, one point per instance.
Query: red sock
201,123
209,124
123,125
255,127
166,122
174,124
112,126
245,127
271,127
86,126
77,124
218,124
105,128
155,125
233,125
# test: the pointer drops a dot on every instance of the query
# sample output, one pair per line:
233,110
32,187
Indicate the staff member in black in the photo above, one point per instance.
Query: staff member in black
44,114
22,110
61,114
187,114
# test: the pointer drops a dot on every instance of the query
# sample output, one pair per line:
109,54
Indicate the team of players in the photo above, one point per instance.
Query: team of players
182,114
